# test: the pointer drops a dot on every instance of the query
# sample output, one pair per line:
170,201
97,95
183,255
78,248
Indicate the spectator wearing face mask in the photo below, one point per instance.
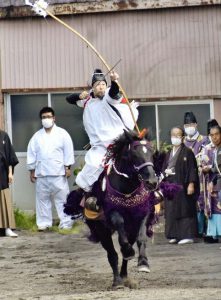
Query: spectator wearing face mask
196,142
193,139
214,188
180,167
211,204
50,155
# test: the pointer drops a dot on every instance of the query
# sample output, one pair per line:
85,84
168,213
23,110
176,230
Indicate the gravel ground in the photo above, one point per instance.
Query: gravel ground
50,266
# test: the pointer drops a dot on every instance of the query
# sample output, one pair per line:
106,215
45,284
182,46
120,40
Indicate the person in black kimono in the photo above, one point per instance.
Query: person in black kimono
8,161
180,167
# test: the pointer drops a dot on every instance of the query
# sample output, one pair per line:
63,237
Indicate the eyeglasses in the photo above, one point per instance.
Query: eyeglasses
46,117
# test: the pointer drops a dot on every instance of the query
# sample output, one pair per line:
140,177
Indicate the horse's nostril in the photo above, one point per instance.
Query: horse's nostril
153,182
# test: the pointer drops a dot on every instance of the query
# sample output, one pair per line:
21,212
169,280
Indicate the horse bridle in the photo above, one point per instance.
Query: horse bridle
144,144
146,164
138,168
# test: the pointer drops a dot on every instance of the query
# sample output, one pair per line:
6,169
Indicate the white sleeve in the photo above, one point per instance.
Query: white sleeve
135,111
81,103
31,154
68,150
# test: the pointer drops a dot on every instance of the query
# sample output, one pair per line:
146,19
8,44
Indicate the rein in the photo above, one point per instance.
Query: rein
119,173
111,161
137,168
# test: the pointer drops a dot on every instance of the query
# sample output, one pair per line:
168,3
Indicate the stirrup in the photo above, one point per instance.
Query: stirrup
91,204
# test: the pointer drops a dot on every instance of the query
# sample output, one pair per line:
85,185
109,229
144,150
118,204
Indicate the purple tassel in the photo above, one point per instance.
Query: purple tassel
169,190
72,206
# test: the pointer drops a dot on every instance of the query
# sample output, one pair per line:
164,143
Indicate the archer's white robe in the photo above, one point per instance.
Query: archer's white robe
48,154
103,126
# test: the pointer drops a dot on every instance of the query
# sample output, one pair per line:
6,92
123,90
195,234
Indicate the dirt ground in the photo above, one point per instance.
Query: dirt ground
50,266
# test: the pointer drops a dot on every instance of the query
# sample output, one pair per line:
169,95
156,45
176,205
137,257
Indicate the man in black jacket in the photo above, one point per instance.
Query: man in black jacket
180,213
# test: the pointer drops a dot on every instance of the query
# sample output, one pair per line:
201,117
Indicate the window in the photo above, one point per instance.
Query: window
147,119
173,115
70,118
25,120
159,118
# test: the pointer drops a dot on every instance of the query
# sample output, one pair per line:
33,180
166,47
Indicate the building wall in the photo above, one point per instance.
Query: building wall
165,53
171,53
217,110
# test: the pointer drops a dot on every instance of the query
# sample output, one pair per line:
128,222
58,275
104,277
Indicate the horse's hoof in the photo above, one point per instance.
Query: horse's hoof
118,284
144,269
127,251
143,265
117,287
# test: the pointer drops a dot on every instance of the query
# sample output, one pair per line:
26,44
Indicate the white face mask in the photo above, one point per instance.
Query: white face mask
176,141
190,131
47,123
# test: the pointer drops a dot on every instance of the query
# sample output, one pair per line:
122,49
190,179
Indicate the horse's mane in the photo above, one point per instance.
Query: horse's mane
123,142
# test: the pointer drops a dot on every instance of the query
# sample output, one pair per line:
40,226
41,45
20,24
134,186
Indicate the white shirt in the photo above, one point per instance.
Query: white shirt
49,153
101,122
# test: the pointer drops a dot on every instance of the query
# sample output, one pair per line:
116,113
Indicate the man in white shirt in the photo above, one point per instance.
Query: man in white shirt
105,118
50,155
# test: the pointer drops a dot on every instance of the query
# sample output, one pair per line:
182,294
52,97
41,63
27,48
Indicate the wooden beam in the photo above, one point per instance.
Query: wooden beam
103,6
79,89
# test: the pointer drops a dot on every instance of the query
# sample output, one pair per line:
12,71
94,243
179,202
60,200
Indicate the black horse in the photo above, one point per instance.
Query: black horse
124,193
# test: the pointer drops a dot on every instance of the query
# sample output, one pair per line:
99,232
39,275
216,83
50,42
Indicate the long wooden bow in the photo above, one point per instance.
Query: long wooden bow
43,7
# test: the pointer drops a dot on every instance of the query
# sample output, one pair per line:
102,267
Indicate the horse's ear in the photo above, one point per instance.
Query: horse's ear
128,135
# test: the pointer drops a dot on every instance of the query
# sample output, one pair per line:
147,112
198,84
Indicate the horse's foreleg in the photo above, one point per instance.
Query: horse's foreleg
143,265
107,243
128,282
117,222
123,271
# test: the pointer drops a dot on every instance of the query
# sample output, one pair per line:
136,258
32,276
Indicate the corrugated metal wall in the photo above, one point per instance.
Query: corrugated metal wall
165,53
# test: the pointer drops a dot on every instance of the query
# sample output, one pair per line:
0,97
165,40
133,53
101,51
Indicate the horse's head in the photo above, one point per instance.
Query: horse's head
137,154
